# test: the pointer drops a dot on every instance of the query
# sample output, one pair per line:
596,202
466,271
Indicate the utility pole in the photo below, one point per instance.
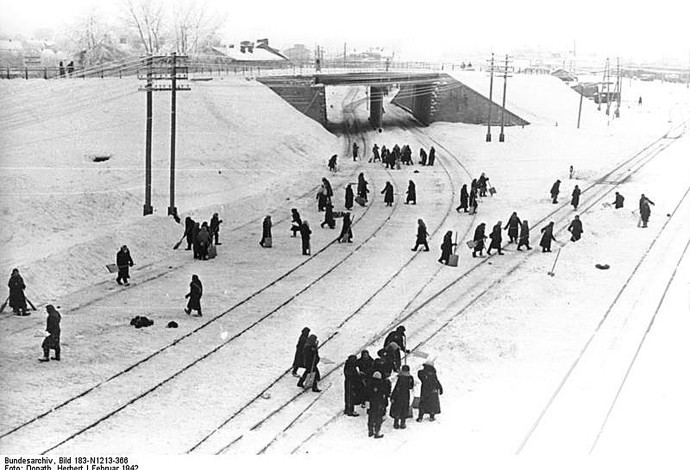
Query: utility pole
579,111
501,136
172,210
491,91
345,55
608,88
619,85
148,208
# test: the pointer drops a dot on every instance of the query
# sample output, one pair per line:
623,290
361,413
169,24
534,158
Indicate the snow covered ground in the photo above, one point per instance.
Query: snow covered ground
503,333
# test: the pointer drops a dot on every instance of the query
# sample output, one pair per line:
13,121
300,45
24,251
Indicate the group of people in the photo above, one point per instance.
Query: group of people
397,156
368,381
201,236
469,200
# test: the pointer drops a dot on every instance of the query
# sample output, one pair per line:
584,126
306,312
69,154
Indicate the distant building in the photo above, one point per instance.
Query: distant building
298,54
564,75
249,53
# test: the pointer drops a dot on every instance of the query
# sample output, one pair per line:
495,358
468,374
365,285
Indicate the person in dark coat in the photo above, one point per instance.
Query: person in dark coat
400,398
52,341
215,228
377,404
575,200
189,231
328,218
311,362
321,198
328,187
393,356
645,209
375,151
479,237
546,237
575,228
333,163
196,290
296,222
124,261
70,68
618,203
346,231
555,189
266,230
524,236
411,193
432,157
298,361
17,299
474,201
61,69
446,247
431,389
397,336
353,386
195,239
349,197
362,189
422,157
464,198
305,232
204,238
496,238
365,362
383,363
422,234
355,151
513,226
388,194
481,185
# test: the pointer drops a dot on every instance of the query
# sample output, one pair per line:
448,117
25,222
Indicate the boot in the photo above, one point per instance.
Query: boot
57,355
45,357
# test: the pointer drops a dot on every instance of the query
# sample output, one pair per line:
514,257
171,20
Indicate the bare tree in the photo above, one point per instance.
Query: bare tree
195,26
90,38
147,17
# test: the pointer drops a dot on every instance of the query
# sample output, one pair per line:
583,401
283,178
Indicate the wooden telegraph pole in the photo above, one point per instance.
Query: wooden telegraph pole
148,208
579,111
501,136
491,91
172,210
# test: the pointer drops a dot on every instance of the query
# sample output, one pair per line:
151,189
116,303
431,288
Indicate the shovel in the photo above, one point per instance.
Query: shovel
552,273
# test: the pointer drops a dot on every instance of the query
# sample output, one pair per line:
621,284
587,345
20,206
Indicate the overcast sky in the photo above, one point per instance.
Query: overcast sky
647,29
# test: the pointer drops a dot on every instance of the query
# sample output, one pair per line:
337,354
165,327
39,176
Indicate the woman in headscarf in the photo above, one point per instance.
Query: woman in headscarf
296,222
421,236
196,290
353,386
446,247
266,231
546,237
17,298
464,197
400,398
52,341
346,231
305,232
298,361
429,402
311,362
388,194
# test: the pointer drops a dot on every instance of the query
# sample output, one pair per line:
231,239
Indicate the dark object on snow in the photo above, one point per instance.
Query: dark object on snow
52,341
172,324
140,322
602,266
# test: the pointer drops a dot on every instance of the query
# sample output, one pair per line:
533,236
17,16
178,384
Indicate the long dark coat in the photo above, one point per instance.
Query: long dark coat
376,392
555,189
575,201
645,210
547,236
446,247
124,261
496,237
189,230
432,156
346,230
421,234
524,233
17,298
349,197
266,229
479,238
329,188
473,199
400,397
298,361
512,225
388,194
196,290
411,193
311,358
575,228
431,389
618,203
362,189
53,329
464,197
396,337
353,384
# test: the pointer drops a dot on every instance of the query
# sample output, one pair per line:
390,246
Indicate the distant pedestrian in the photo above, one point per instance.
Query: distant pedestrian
215,228
555,189
196,290
618,203
377,155
189,231
422,235
575,228
496,238
481,185
513,225
346,231
298,361
474,201
546,238
397,336
311,362
645,209
355,151
17,299
422,157
321,198
124,261
353,386
333,163
571,172
328,218
400,398
362,189
305,232
411,193
327,186
639,101
575,200
266,232
479,237
70,68
524,236
376,391
432,156
195,239
349,197
204,238
464,199
446,247
429,402
296,222
61,69
52,341
388,194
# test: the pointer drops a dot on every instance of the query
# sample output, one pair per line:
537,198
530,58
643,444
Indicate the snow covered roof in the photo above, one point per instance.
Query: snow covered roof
257,54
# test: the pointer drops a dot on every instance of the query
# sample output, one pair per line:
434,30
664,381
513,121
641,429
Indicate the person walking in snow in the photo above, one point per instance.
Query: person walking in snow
464,198
196,290
411,193
353,386
296,222
618,203
215,228
195,239
376,390
305,232
479,237
311,362
546,238
17,299
555,189
496,238
422,157
298,361
346,231
355,151
328,188
349,197
189,231
362,189
266,231
328,217
474,201
204,238
400,398
333,163
446,247
575,200
432,156
388,194
645,209
321,198
575,228
481,185
422,234
524,236
513,225
375,151
124,261
52,341
429,402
